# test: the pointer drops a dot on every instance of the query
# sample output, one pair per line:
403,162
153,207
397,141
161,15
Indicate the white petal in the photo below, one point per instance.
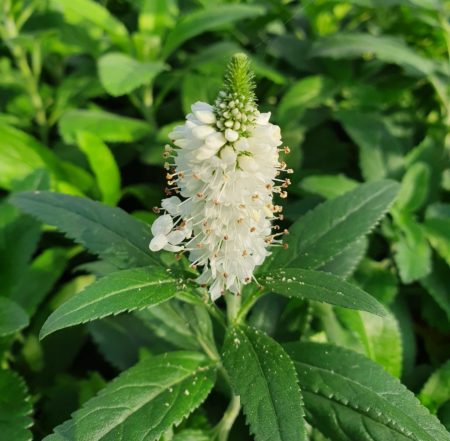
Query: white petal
228,155
242,145
158,242
205,153
201,132
247,163
215,141
203,112
231,135
215,291
263,118
176,236
162,225
172,205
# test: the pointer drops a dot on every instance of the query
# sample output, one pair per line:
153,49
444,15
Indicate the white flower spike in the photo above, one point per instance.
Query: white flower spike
225,168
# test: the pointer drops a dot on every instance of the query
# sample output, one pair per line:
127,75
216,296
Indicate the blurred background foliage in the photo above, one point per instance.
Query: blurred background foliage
89,91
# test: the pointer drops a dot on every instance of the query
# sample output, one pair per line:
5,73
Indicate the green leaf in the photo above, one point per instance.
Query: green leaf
319,286
328,186
349,397
436,390
98,15
380,152
109,127
262,374
191,435
106,231
205,20
379,337
346,262
40,277
143,402
12,317
21,155
120,74
387,49
157,16
19,236
15,408
414,188
436,283
103,165
325,232
437,231
306,93
121,291
413,254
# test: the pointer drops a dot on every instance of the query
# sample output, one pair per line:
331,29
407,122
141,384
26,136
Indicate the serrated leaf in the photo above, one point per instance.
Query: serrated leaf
330,228
106,231
103,164
120,74
208,19
352,398
387,49
144,401
262,375
345,263
12,317
436,391
121,291
319,286
109,127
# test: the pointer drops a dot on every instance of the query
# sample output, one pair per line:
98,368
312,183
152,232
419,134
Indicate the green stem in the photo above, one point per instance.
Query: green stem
10,32
222,430
233,306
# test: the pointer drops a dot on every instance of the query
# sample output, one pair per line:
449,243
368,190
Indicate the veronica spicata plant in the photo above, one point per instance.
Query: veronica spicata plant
226,167
289,381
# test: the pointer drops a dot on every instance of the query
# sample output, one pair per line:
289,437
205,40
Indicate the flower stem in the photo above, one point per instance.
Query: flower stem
222,430
233,306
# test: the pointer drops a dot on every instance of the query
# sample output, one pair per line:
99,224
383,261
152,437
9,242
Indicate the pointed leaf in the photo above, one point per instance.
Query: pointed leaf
320,286
436,390
143,402
12,317
330,228
15,408
121,291
263,375
352,398
108,232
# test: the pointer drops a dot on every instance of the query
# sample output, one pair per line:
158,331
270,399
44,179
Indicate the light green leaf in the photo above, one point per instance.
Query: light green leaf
12,317
436,390
106,231
437,231
262,374
191,435
157,16
413,254
143,402
380,153
306,93
121,74
39,279
121,291
21,155
93,12
205,20
387,49
379,337
352,398
414,188
319,286
325,232
109,127
103,165
328,186
15,408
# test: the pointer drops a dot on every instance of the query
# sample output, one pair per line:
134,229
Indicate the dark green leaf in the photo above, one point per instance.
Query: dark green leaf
325,232
262,374
320,286
12,317
352,398
121,291
108,232
144,401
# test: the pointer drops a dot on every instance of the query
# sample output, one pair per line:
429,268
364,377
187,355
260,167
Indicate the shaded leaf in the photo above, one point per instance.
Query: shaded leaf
12,317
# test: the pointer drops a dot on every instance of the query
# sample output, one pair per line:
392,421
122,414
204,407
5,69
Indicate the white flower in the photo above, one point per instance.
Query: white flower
226,169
